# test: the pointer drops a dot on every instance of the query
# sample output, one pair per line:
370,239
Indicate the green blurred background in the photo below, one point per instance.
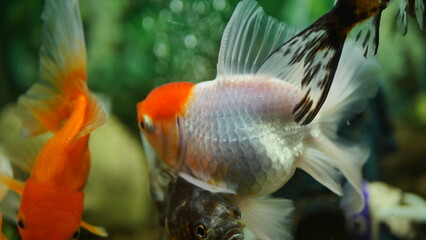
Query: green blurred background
134,46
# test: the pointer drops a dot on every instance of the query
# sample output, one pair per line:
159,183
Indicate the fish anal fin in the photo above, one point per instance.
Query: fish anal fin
268,218
100,231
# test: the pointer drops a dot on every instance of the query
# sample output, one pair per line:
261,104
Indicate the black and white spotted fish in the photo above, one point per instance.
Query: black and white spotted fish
271,109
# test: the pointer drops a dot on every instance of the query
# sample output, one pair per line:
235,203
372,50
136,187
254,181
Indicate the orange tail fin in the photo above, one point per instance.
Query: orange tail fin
49,103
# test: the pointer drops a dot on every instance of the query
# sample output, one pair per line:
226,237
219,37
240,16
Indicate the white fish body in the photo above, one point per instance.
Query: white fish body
243,126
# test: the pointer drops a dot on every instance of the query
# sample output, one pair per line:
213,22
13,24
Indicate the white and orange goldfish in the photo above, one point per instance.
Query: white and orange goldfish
271,109
52,198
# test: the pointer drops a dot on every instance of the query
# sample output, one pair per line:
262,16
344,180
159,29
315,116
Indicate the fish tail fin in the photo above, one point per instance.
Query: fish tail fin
268,218
356,82
362,19
419,9
325,154
49,103
325,161
401,16
366,34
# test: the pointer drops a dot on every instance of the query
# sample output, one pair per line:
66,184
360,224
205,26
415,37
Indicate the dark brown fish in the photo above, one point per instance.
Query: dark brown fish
194,213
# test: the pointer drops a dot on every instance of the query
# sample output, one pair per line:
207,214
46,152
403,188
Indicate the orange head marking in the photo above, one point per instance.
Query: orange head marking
157,116
165,102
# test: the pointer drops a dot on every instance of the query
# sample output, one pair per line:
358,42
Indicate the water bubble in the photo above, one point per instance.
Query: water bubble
160,50
199,7
219,5
147,23
165,15
176,6
190,41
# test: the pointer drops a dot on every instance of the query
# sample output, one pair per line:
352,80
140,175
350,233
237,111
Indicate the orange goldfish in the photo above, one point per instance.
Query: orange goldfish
52,198
271,109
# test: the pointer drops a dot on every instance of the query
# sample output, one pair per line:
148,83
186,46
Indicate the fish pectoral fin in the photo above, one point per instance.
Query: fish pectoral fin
100,231
267,218
16,185
206,186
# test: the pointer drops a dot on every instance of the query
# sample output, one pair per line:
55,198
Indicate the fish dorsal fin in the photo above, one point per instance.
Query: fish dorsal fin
62,61
100,231
268,218
249,37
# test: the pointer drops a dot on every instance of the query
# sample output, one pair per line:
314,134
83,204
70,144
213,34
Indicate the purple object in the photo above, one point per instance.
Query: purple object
360,224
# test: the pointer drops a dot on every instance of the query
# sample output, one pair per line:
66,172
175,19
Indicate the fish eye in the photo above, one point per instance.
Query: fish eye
21,224
76,234
146,124
200,231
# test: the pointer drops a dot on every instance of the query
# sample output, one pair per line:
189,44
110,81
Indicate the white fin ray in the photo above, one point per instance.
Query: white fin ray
308,61
322,169
349,160
206,186
62,59
419,8
356,81
366,34
249,37
268,218
401,17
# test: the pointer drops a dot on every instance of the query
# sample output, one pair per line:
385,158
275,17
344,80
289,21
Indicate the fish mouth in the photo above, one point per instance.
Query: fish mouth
234,234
